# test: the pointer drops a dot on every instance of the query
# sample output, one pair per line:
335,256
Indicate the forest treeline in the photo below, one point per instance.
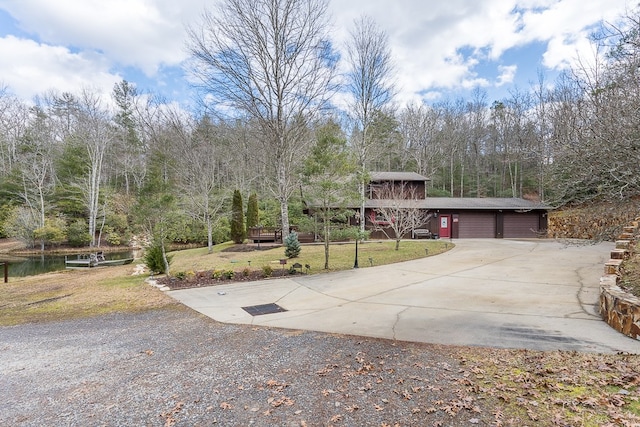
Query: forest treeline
88,168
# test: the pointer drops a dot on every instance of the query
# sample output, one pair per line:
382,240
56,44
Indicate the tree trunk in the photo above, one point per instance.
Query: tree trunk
327,233
283,198
397,244
164,258
363,198
209,235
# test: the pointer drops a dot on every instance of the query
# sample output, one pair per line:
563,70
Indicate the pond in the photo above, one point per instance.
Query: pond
37,264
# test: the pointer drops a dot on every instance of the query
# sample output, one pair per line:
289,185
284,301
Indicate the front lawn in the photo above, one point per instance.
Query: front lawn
342,256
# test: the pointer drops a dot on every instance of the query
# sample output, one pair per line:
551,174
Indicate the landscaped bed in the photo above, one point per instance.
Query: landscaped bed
241,263
198,279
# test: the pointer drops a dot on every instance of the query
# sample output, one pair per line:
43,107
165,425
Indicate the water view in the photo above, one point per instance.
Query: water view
21,266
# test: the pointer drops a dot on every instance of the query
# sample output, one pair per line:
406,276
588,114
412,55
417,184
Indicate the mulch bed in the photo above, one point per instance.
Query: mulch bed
200,279
212,278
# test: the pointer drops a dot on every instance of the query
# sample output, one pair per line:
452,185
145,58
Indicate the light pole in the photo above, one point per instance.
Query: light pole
357,216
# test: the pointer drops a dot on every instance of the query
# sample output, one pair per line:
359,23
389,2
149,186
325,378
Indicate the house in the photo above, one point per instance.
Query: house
451,217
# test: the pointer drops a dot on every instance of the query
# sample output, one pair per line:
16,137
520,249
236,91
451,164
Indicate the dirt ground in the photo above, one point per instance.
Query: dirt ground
7,245
174,367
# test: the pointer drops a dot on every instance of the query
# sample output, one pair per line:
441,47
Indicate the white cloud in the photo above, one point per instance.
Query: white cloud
428,36
36,68
507,74
437,46
140,33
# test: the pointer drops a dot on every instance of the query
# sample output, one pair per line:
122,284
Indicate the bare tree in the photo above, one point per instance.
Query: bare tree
95,132
370,85
418,125
594,115
14,119
272,61
35,169
198,171
399,212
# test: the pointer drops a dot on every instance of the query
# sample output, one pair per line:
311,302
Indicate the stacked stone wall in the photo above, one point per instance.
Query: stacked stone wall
597,221
620,309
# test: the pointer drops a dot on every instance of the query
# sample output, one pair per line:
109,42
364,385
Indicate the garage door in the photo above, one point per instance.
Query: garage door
476,225
521,225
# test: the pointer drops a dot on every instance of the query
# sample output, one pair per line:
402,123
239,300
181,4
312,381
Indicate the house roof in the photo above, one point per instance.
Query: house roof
467,203
396,176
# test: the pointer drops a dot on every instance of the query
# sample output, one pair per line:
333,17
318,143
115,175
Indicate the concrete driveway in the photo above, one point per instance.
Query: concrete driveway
534,294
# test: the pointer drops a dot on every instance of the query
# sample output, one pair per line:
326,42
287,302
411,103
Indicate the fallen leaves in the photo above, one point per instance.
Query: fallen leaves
488,387
555,388
169,416
276,403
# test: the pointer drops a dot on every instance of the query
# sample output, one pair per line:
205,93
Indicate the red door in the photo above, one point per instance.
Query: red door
445,226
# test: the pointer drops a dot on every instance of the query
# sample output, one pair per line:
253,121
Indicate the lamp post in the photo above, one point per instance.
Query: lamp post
357,216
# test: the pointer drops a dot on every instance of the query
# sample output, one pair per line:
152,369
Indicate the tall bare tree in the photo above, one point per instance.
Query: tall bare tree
370,86
199,171
14,119
400,212
270,60
35,169
95,132
418,126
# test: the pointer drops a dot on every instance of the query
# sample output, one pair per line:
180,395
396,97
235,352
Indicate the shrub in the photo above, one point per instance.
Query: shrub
114,239
52,232
153,259
292,245
349,233
246,271
221,230
253,217
237,218
438,192
181,275
216,274
267,270
78,234
228,274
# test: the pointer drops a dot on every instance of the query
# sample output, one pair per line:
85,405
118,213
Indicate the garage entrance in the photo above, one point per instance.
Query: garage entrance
477,225
521,224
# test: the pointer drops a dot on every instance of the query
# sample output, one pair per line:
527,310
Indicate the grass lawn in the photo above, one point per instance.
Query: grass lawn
77,293
83,293
341,256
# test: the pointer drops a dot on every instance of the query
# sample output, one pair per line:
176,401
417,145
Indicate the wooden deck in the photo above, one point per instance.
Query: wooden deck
274,235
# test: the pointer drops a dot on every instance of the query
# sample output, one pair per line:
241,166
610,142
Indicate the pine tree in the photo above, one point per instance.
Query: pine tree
292,245
237,218
253,217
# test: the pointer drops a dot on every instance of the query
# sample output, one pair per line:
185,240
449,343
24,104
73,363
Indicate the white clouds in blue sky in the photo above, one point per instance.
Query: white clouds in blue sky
440,48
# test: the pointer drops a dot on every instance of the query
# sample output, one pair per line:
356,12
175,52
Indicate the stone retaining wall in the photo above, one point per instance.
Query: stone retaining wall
621,310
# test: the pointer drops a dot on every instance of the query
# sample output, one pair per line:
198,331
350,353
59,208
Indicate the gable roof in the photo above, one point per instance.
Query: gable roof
483,203
467,203
396,176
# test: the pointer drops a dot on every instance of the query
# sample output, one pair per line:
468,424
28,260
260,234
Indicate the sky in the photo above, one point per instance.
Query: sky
441,49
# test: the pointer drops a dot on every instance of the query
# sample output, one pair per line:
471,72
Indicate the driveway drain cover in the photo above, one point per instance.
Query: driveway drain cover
257,310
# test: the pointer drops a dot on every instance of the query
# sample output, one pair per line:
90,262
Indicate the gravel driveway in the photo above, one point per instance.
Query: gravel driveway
176,367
